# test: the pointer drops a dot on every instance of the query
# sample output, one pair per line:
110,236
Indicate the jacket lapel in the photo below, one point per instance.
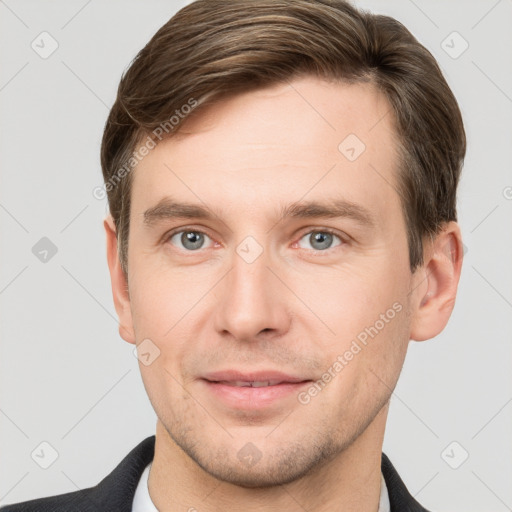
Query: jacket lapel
400,500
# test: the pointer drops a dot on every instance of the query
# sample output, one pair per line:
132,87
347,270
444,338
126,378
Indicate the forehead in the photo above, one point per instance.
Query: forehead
276,145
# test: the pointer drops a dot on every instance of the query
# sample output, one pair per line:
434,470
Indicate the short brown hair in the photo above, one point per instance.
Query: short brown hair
216,48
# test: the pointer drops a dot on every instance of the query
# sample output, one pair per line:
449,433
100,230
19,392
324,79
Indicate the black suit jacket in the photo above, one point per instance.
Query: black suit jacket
116,491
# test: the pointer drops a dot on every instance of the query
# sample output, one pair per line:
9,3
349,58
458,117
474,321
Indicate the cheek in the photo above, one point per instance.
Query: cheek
161,300
364,365
367,316
350,299
165,390
166,308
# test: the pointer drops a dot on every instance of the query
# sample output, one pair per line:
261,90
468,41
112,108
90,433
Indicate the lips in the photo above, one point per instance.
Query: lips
252,391
252,384
253,379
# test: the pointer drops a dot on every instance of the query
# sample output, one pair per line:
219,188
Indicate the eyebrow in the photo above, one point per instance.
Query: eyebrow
168,209
337,208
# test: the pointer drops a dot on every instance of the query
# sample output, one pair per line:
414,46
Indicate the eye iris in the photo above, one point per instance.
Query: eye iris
324,239
192,239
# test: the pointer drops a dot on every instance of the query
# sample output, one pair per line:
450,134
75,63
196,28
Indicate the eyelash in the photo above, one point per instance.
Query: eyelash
342,239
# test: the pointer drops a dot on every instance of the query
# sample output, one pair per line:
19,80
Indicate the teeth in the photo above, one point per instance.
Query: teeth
260,384
255,384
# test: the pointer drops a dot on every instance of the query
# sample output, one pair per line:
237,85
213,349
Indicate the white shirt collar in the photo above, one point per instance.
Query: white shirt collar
384,505
142,500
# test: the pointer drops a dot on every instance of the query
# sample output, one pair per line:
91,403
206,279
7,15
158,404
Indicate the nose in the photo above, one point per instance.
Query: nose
252,301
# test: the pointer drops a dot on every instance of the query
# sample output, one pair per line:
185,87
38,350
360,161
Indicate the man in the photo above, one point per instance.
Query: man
281,178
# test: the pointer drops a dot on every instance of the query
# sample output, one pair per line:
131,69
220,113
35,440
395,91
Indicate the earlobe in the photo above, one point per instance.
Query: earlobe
120,293
435,297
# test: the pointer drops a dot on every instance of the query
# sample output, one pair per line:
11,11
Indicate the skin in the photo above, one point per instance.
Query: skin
296,308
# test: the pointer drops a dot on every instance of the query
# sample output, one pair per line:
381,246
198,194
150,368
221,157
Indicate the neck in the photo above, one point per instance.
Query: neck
350,481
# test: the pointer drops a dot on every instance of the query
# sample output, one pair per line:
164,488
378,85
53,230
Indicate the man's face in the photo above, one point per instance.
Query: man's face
256,293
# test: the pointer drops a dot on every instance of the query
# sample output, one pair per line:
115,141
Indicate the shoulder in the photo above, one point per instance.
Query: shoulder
114,492
72,502
400,499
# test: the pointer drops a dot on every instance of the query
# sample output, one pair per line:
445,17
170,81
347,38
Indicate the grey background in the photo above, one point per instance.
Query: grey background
68,379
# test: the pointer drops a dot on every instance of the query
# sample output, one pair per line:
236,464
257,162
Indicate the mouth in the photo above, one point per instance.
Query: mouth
254,390
268,377
251,384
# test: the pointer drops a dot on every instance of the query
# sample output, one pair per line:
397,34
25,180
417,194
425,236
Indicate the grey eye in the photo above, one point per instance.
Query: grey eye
320,240
189,240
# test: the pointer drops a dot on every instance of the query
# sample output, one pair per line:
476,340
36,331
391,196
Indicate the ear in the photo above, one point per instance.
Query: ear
436,283
119,285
